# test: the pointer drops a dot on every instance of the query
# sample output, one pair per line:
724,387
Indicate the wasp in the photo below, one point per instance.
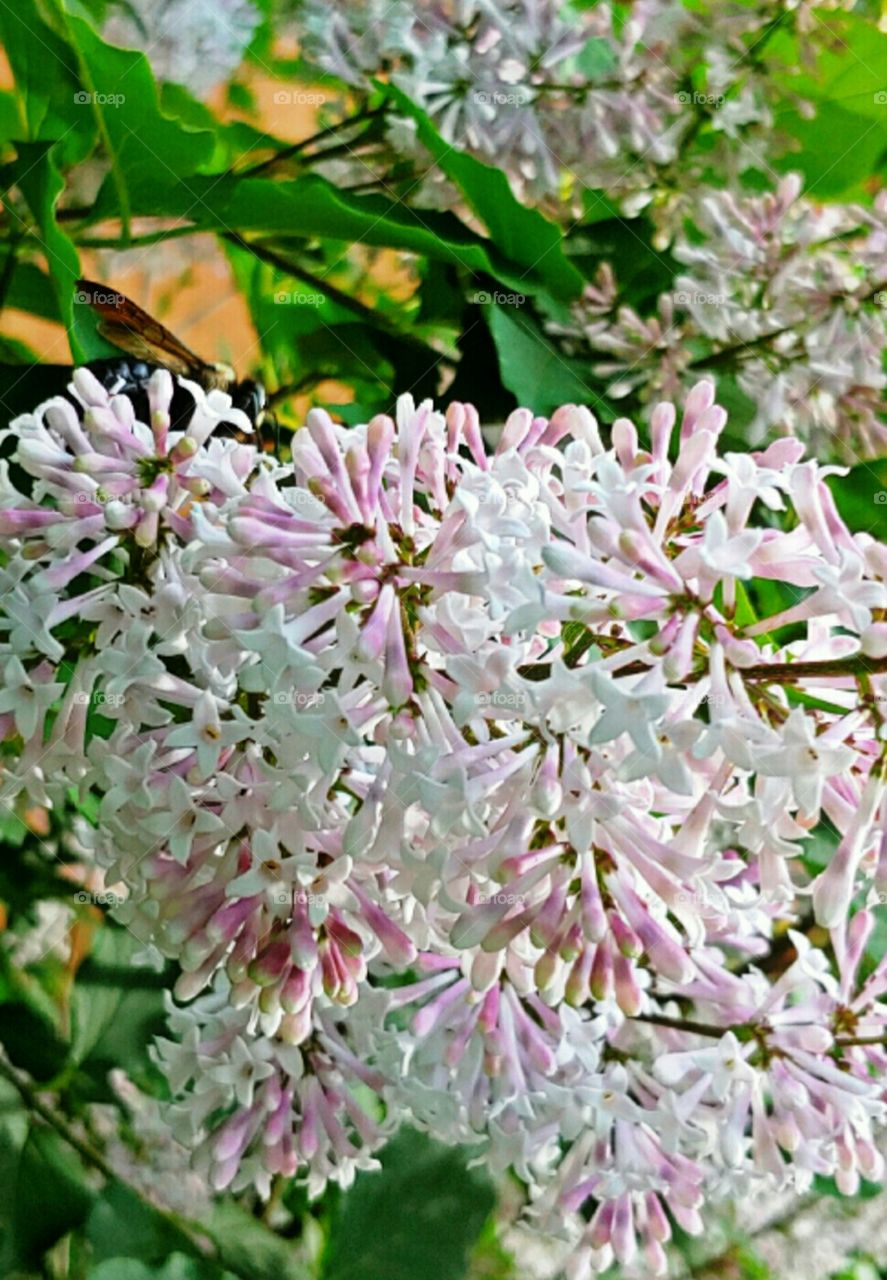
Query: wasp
148,345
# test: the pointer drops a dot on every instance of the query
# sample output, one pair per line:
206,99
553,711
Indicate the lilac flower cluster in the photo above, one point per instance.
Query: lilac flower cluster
467,788
555,95
198,43
787,297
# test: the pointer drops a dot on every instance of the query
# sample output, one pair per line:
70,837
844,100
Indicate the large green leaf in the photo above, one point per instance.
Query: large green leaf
47,1198
31,1040
521,233
120,1224
861,497
233,139
112,1020
142,140
416,1220
30,289
176,1267
309,207
247,1247
537,374
47,83
845,143
37,176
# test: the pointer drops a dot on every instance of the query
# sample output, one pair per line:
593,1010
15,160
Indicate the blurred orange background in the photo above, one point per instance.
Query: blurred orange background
187,284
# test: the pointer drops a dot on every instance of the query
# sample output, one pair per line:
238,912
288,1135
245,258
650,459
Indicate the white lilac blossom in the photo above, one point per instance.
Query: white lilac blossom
782,294
561,97
473,787
198,43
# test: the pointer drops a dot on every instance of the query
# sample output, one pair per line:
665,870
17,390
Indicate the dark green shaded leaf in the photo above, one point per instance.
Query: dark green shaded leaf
49,1198
30,289
111,1025
36,175
141,139
47,83
246,1246
521,233
31,1040
416,1220
120,1224
309,207
537,374
861,497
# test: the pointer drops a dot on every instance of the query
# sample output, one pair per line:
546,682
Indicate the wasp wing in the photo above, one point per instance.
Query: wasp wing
128,327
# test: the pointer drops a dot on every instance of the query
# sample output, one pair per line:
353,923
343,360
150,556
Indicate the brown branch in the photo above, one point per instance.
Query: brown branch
762,672
685,1024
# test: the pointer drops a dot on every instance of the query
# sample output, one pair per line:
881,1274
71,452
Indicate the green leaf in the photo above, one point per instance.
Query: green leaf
36,175
597,59
598,207
819,847
31,1040
14,352
745,615
177,1267
741,408
121,1224
534,371
830,173
112,1025
642,271
30,289
861,497
142,139
47,83
521,233
119,88
416,1220
233,140
248,1248
840,149
309,207
49,1198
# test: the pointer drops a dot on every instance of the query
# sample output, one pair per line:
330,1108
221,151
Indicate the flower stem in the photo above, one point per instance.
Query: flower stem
685,1024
